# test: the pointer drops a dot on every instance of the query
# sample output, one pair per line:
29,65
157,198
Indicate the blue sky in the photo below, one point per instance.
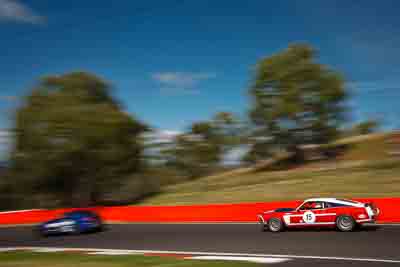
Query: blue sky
173,62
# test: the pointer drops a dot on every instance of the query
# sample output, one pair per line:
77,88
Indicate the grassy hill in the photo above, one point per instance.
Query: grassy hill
365,169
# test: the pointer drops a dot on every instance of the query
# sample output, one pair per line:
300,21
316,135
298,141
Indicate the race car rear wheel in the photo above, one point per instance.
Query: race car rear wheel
275,225
345,223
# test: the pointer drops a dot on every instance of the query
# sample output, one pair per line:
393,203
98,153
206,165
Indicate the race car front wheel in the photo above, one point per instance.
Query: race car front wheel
75,229
345,223
275,225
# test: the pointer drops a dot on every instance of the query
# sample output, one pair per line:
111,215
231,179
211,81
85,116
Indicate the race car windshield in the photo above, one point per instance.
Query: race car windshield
311,205
78,213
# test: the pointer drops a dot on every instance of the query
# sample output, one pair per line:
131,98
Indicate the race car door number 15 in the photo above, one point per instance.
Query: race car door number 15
309,217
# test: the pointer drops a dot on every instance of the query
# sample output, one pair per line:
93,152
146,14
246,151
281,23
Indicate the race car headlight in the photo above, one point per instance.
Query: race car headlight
362,216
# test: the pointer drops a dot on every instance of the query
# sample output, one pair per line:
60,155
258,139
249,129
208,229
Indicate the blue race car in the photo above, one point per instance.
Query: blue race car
74,222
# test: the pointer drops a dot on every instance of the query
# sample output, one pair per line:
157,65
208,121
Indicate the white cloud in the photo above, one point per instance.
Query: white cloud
167,135
181,82
4,134
15,11
181,78
161,136
235,155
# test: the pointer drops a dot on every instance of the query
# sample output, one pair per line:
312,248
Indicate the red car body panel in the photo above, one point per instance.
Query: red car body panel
323,214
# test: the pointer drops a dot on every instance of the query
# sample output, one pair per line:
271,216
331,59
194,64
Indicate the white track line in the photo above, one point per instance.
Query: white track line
7,249
49,250
196,253
235,258
113,253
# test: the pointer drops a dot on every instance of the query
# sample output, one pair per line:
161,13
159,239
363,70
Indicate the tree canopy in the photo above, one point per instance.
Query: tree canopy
297,100
200,150
73,140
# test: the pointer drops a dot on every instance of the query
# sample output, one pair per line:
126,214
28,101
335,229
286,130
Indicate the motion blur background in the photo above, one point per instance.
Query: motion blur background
186,102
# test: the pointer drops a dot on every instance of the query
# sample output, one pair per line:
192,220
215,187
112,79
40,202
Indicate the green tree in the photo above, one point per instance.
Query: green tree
200,151
296,100
229,130
73,140
196,153
259,150
366,127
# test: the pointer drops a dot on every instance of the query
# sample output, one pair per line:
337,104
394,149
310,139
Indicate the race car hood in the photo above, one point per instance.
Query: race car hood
53,221
57,223
280,210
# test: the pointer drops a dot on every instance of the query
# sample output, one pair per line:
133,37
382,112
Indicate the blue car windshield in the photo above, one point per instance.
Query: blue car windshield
75,214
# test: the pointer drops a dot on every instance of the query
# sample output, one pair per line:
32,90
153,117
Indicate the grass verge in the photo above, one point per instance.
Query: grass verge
31,259
364,170
350,180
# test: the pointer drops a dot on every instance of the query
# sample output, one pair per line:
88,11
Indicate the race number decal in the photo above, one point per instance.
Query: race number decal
309,217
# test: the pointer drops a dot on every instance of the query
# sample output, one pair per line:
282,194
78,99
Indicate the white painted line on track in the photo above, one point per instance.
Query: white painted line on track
7,249
49,250
196,253
235,258
113,253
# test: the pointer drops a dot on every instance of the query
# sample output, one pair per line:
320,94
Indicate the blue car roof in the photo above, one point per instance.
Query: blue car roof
79,213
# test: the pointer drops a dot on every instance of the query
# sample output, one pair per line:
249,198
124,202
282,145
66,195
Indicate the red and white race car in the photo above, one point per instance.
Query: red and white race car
343,214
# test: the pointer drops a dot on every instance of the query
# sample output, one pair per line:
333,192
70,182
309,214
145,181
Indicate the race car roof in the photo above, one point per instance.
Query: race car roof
338,201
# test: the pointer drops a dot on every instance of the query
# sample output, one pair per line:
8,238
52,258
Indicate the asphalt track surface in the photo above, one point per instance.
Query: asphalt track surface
381,243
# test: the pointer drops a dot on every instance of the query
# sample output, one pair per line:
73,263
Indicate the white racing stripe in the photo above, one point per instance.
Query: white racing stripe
223,254
316,223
